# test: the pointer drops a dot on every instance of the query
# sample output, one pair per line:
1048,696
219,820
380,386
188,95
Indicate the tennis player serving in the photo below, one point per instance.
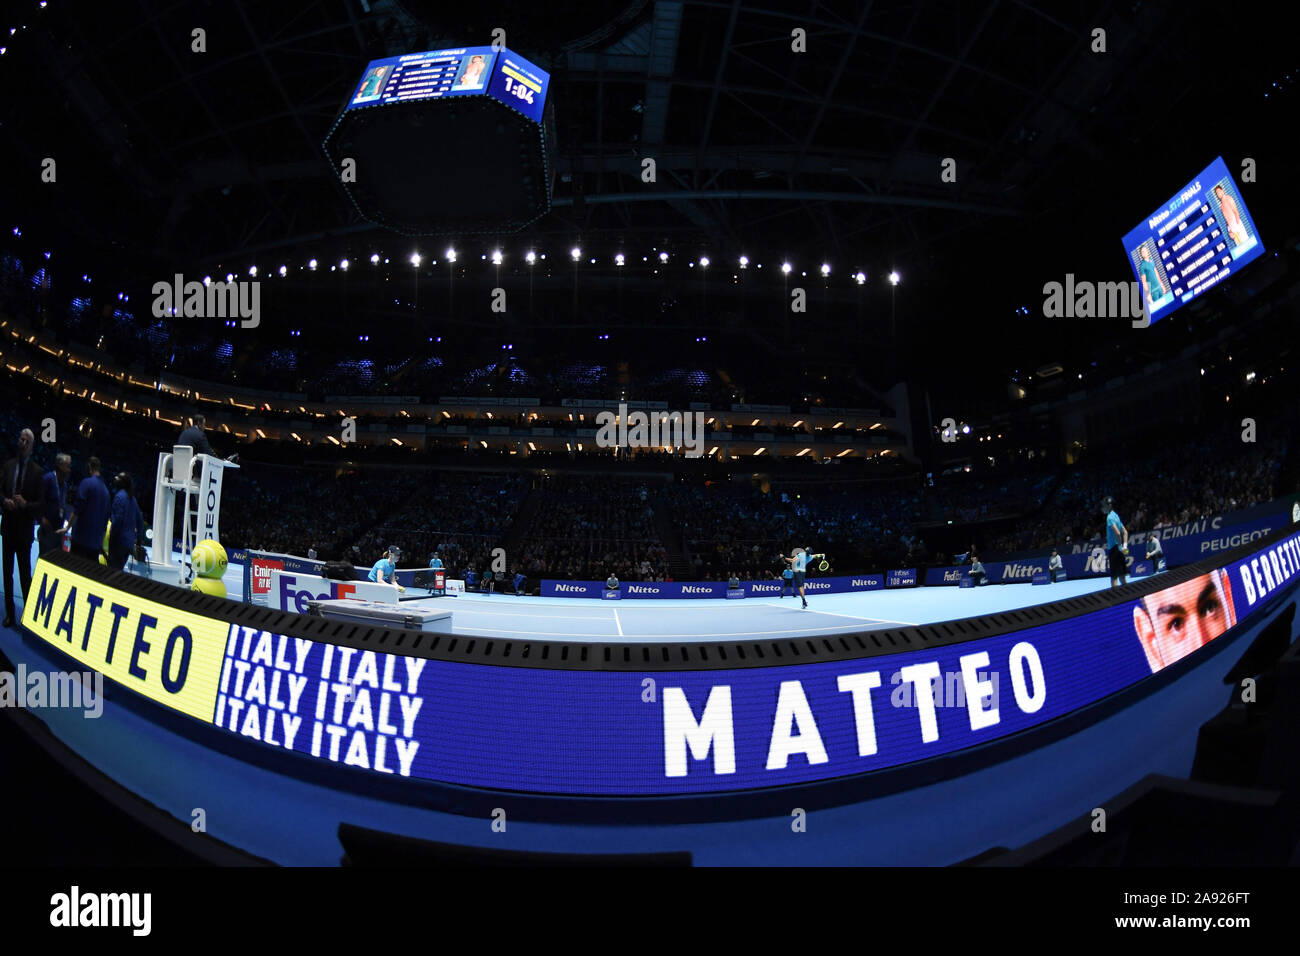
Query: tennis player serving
798,561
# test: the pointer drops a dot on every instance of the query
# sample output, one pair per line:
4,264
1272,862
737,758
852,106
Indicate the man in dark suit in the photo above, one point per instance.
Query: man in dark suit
57,507
194,437
23,496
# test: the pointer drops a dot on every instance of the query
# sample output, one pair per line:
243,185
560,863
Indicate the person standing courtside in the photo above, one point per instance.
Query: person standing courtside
22,506
128,522
56,507
1116,544
90,514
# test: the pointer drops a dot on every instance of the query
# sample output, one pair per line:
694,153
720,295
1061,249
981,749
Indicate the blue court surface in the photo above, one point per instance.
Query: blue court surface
585,619
700,619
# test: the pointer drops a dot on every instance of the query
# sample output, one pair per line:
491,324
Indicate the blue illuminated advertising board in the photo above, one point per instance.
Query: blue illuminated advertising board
1193,242
654,732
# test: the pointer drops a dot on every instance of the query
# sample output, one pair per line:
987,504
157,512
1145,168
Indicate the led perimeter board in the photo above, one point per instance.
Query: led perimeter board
636,721
447,142
1193,242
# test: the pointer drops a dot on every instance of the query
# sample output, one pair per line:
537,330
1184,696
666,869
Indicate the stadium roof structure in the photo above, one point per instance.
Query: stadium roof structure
814,130
833,150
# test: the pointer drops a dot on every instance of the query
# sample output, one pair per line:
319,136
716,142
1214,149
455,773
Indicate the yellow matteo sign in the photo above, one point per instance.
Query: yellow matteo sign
171,656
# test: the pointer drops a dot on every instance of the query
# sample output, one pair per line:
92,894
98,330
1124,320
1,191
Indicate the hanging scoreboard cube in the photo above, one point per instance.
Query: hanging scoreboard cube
448,142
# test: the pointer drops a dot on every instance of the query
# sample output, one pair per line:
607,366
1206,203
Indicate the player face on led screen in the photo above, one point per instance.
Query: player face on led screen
1176,621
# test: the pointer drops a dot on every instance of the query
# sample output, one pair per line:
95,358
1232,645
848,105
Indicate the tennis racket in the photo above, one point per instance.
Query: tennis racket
824,566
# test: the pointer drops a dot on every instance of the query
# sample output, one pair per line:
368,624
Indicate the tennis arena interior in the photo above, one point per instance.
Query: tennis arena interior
671,433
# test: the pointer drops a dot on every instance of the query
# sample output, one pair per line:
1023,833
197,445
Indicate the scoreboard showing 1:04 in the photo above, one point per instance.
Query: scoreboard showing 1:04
1193,242
466,71
519,85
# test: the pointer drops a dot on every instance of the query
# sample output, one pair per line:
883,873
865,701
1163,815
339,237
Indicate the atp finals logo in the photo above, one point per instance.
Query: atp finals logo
1095,300
671,430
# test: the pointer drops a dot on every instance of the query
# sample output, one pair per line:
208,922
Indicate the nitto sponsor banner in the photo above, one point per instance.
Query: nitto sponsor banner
1007,572
1015,571
291,592
591,589
715,589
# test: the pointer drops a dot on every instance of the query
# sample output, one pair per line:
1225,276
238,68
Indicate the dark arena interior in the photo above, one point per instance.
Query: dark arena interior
631,434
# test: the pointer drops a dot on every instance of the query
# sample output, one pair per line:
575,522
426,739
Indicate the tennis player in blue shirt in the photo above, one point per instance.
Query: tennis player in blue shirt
798,562
1116,544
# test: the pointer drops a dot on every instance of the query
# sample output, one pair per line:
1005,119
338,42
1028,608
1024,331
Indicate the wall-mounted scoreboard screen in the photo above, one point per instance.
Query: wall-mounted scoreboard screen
465,71
1193,242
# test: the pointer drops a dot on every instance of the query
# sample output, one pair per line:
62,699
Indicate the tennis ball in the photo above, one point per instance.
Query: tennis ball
209,559
214,587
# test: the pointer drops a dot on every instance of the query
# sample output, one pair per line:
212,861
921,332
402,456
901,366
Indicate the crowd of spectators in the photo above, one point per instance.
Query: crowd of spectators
747,530
967,498
1153,489
588,526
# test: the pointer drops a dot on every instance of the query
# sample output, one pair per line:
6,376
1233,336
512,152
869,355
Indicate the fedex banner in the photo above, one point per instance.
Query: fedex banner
262,564
1187,549
717,589
291,592
596,732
